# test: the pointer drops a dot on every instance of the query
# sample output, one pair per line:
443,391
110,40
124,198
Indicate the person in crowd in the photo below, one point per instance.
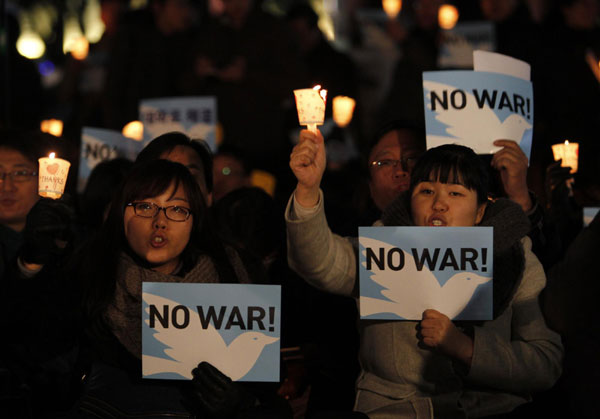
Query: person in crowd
147,58
391,159
193,154
19,153
230,171
18,190
468,365
570,308
81,95
325,64
247,58
419,46
157,229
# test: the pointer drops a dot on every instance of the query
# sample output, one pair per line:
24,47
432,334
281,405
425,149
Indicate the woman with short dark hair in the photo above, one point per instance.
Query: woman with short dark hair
434,367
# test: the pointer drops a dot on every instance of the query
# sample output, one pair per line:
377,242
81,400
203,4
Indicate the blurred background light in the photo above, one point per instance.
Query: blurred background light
447,16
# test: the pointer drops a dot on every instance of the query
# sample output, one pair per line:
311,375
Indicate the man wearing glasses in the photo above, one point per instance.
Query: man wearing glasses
18,190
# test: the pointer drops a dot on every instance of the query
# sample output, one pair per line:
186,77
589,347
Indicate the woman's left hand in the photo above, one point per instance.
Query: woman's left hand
512,163
437,331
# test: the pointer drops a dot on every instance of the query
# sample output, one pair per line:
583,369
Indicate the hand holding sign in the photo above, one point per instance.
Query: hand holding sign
213,394
512,163
308,163
437,331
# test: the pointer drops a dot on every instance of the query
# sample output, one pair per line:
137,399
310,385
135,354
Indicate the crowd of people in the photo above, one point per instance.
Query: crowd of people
71,269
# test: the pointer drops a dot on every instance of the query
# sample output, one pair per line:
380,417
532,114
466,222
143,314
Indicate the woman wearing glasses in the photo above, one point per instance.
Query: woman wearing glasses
157,230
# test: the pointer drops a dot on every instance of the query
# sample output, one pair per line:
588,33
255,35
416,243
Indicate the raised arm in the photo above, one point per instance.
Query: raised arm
322,258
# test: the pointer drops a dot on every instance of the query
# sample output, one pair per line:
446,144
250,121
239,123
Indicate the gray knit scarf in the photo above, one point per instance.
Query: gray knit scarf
124,314
510,226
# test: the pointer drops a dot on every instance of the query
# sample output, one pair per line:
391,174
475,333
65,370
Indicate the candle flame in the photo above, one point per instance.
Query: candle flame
52,155
322,92
566,142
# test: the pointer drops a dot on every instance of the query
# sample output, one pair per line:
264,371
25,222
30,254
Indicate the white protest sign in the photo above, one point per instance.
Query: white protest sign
194,116
458,44
234,327
475,108
99,144
493,62
406,270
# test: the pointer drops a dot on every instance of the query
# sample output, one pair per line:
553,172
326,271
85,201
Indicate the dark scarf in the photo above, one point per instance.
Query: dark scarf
124,314
510,226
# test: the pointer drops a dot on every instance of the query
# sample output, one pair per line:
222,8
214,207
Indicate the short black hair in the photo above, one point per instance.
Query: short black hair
452,163
31,144
167,142
396,125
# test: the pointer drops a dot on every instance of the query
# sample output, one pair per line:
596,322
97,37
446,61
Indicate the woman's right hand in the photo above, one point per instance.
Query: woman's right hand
308,163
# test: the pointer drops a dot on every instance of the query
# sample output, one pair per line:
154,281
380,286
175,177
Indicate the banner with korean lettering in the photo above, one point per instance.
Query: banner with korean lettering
195,116
99,144
459,43
234,327
406,270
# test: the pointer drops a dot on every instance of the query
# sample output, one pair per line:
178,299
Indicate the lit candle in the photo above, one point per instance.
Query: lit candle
80,48
447,16
310,104
392,7
134,130
343,108
52,126
568,152
53,174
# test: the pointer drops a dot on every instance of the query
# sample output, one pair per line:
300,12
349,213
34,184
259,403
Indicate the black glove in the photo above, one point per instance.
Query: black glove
48,230
557,183
214,395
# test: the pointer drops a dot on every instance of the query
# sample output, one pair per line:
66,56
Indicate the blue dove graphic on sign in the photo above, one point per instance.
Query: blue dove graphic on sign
409,294
467,123
234,359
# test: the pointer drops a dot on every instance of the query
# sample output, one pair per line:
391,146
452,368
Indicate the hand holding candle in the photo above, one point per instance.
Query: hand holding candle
567,152
52,176
310,104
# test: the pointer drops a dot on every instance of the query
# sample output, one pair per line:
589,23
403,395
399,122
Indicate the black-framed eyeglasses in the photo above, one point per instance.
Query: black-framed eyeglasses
150,210
18,175
407,163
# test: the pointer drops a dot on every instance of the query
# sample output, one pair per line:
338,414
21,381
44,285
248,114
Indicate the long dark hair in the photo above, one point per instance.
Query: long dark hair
97,262
452,163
